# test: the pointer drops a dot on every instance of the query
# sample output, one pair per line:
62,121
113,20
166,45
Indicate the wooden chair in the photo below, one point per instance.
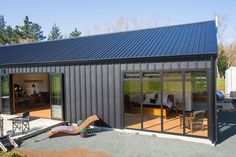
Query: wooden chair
195,119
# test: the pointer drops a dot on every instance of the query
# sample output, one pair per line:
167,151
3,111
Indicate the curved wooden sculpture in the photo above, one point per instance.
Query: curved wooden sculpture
71,130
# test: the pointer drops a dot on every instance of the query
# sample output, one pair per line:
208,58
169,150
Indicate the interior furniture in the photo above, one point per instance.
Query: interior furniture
72,130
195,118
21,123
178,105
154,109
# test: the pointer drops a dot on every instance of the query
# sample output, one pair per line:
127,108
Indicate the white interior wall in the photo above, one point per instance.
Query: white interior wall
27,80
175,88
230,80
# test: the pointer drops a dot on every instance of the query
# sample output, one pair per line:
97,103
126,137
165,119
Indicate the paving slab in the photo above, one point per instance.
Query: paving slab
37,125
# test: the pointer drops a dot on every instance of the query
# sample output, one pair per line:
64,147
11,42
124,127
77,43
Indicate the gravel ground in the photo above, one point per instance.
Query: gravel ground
131,145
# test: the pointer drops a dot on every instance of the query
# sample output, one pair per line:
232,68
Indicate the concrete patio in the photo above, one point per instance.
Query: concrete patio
37,126
113,143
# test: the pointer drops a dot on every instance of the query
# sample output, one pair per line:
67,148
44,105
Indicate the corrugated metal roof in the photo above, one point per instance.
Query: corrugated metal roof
179,40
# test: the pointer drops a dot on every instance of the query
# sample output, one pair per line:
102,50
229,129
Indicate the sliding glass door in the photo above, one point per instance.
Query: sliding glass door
172,102
6,96
132,99
151,86
56,98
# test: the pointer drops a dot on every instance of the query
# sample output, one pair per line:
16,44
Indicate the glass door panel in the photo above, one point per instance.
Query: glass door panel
132,99
173,106
6,103
196,120
56,96
151,101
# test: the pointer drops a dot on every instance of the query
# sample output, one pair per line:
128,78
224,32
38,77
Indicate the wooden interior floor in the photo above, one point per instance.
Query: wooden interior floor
42,111
170,125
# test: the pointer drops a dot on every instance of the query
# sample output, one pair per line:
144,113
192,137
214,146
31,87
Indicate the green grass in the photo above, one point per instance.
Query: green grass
10,154
220,84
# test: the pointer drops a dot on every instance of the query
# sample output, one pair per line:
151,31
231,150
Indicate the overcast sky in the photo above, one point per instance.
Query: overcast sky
68,14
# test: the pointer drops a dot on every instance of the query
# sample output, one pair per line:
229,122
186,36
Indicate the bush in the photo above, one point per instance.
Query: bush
11,154
14,155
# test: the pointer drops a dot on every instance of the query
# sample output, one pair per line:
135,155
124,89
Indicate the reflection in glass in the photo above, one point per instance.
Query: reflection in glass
196,75
172,75
56,95
173,106
196,120
5,94
151,102
183,101
132,106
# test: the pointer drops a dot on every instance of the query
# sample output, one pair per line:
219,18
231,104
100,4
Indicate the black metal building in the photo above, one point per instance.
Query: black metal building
92,69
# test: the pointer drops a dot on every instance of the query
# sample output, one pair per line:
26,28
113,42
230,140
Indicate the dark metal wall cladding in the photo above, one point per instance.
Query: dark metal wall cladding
96,89
188,39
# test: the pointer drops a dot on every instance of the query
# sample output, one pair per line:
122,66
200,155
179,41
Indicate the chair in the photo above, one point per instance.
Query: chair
195,119
21,123
71,130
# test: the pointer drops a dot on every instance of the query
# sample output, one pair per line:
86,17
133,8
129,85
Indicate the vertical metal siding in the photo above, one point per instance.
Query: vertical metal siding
105,93
67,93
100,91
88,90
72,93
83,92
96,89
78,93
117,91
111,89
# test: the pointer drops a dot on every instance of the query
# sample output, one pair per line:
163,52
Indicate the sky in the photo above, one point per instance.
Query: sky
68,14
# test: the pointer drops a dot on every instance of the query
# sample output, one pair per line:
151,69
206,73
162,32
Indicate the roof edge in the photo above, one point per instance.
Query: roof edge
120,60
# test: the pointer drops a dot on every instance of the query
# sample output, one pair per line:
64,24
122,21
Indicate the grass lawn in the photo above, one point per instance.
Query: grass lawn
220,84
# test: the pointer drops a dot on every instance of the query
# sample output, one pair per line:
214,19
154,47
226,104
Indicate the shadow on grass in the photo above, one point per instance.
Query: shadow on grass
226,125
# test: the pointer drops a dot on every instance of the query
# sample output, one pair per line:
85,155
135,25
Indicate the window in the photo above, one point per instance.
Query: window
172,104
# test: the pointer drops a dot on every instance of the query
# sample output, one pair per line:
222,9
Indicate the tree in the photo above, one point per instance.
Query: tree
75,33
9,36
36,32
30,31
2,22
222,62
230,52
7,33
55,33
127,23
2,27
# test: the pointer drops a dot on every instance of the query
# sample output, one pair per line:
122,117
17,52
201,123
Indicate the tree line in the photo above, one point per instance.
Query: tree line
29,32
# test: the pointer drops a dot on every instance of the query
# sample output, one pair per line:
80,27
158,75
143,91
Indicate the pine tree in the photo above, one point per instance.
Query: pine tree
55,33
36,32
2,29
75,33
25,29
2,22
9,36
7,33
30,31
